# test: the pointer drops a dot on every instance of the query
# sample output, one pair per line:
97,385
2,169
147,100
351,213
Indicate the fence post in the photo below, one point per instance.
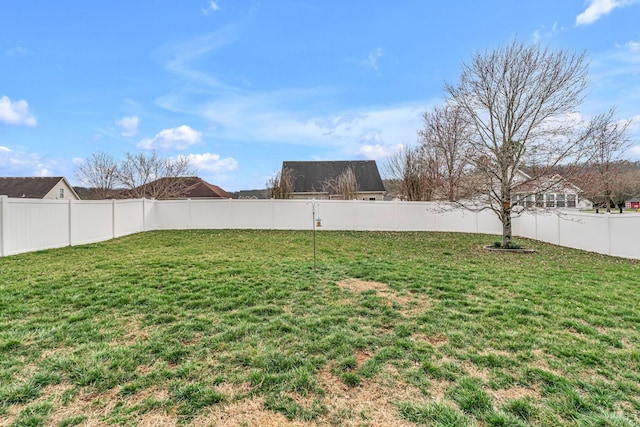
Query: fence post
70,218
608,218
273,219
113,218
144,214
3,218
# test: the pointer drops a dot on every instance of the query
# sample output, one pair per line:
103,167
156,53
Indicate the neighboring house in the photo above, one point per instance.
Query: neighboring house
55,187
310,178
554,192
251,194
632,203
177,188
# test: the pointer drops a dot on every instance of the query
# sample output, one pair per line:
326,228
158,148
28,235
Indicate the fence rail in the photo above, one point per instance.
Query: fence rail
29,224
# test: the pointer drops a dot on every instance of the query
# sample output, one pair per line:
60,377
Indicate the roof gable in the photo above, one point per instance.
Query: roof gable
311,176
28,187
181,188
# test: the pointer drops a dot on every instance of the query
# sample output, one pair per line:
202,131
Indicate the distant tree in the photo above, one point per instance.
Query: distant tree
137,175
445,137
151,175
521,101
281,185
99,172
417,171
344,185
606,182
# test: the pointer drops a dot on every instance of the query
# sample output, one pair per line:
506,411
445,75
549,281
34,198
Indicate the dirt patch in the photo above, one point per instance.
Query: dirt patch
438,389
473,370
412,304
157,420
437,340
249,412
148,393
50,393
357,285
134,332
514,393
373,403
541,362
362,357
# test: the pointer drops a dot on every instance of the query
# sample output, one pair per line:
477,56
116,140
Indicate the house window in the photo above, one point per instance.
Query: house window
571,200
560,202
529,201
539,202
517,200
550,200
62,193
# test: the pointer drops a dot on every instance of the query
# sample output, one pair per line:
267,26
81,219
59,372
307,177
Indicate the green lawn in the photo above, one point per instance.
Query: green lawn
237,328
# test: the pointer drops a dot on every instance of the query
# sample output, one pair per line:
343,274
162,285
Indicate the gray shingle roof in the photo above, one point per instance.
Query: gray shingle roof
310,176
28,187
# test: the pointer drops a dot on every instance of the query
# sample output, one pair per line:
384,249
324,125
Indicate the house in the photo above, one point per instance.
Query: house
632,203
198,188
54,187
191,187
313,179
552,192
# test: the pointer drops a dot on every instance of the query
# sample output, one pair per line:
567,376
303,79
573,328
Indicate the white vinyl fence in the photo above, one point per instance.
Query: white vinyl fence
30,225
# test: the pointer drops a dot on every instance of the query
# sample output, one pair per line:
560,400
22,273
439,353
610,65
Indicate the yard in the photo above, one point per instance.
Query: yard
233,328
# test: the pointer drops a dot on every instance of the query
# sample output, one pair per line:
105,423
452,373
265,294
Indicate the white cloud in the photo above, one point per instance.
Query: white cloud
16,113
544,33
211,7
614,77
16,51
260,117
633,46
634,127
600,8
21,163
283,116
372,59
172,139
378,151
212,163
180,56
128,126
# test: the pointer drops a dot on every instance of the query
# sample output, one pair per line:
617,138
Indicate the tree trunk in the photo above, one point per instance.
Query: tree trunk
505,216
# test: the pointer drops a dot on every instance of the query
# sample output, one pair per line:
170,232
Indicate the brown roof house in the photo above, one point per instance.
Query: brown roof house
320,179
54,187
190,187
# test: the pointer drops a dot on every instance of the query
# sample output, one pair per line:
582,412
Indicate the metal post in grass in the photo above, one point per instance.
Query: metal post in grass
317,222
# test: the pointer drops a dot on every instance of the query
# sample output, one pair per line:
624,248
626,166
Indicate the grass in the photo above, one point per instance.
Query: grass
237,328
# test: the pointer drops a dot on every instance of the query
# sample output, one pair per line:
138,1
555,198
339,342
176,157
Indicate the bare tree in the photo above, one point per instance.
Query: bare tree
608,142
344,185
281,185
445,136
417,170
98,172
154,176
521,101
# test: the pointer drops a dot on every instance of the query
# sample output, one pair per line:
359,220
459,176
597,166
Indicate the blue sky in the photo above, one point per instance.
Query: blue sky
241,85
